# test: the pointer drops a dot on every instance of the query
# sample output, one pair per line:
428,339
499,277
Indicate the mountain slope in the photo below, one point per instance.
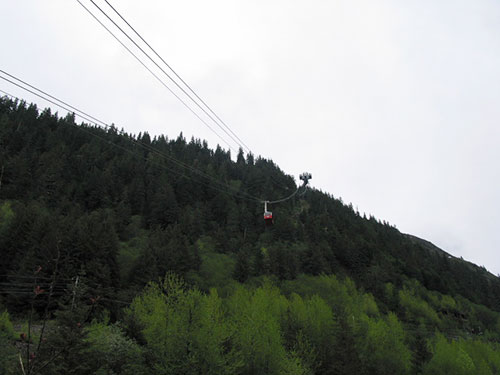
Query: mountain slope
93,220
57,172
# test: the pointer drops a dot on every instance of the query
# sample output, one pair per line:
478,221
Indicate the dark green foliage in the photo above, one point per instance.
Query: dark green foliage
7,351
120,216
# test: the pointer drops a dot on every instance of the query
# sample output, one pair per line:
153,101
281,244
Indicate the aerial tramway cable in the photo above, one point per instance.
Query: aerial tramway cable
305,177
237,194
178,76
217,185
268,215
240,143
52,97
156,77
162,70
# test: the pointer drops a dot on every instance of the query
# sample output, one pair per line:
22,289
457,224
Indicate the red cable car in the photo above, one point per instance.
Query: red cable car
268,215
268,218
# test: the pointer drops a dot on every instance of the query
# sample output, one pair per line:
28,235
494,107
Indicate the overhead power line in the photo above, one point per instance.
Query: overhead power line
215,120
215,184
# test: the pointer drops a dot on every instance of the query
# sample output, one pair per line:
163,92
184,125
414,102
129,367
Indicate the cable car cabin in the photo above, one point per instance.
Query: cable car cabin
268,217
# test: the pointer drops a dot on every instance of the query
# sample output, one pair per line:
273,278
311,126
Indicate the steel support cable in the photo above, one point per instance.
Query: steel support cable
235,194
52,97
48,100
184,165
154,75
286,198
178,76
198,172
83,129
304,185
247,196
242,195
164,72
109,126
115,144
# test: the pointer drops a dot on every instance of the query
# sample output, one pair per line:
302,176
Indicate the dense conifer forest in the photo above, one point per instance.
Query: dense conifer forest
127,254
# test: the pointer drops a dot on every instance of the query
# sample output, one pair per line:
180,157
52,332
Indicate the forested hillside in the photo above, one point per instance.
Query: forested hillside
151,256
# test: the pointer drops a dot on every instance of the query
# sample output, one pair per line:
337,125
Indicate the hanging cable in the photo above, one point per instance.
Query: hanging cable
305,177
220,185
159,67
52,97
107,126
235,194
99,123
286,198
178,76
157,78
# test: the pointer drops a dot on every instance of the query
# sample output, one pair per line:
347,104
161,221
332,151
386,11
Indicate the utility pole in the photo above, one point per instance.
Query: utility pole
51,291
74,292
1,175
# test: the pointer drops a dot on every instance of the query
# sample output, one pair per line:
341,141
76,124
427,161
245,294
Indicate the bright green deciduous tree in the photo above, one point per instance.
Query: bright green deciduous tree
449,358
382,346
257,315
185,331
310,327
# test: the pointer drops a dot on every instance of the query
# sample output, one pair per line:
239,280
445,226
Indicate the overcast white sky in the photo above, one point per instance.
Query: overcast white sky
391,105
